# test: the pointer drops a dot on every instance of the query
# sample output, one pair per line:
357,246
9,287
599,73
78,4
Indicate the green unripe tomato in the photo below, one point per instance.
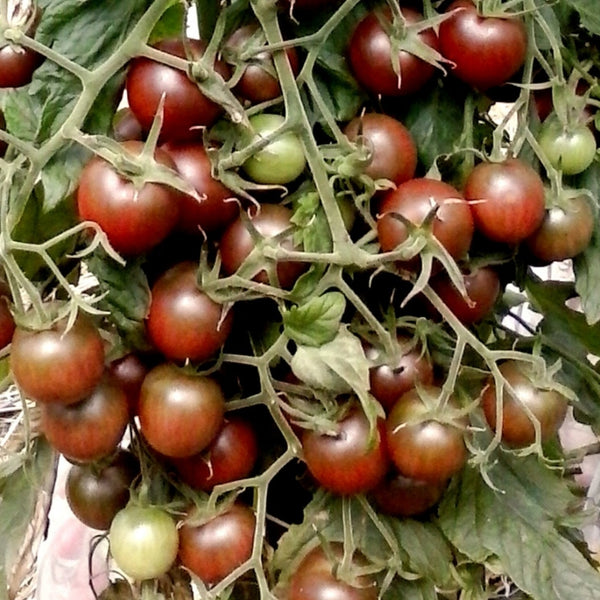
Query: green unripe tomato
281,160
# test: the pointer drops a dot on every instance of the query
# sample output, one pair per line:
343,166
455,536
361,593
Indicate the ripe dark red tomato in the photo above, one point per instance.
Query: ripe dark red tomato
218,205
566,230
17,65
125,126
237,243
186,109
421,446
183,323
7,322
483,288
97,492
214,549
392,148
257,82
486,51
348,461
506,198
390,379
401,496
180,413
230,456
129,372
548,406
414,200
134,219
370,55
90,429
57,365
314,577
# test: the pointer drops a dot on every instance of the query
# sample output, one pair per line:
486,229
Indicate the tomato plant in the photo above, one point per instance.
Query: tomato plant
295,256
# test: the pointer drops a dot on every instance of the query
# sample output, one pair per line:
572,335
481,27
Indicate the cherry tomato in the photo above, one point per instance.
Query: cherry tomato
314,577
566,231
134,219
486,51
215,548
423,447
370,56
230,456
125,126
281,160
392,148
414,200
183,323
58,365
258,82
347,461
90,429
237,243
143,541
129,372
186,109
570,148
390,379
548,406
483,288
217,206
97,492
7,322
401,496
506,198
180,413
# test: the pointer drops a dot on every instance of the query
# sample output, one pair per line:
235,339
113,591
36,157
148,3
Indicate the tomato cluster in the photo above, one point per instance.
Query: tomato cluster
289,286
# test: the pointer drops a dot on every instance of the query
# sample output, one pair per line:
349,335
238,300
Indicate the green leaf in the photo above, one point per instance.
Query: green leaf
317,321
588,12
171,24
19,493
339,366
127,296
587,279
517,529
421,589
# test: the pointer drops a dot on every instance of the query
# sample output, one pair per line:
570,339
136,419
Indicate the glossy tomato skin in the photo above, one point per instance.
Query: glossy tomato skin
143,541
218,205
507,200
257,82
401,496
125,126
17,65
344,463
134,220
391,379
482,285
414,200
571,148
180,413
393,150
90,429
186,109
314,577
183,323
282,160
97,492
548,406
230,456
370,56
237,243
57,365
486,51
565,231
215,548
7,322
129,372
420,447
